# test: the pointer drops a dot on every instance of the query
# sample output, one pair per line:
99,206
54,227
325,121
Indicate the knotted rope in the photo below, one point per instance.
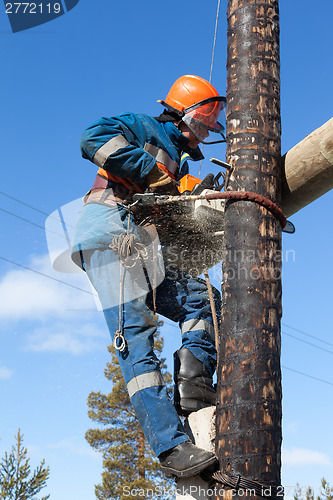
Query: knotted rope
130,251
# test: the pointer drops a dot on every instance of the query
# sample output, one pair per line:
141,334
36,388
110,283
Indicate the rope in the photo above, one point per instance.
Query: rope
119,342
213,52
212,62
214,315
130,250
237,482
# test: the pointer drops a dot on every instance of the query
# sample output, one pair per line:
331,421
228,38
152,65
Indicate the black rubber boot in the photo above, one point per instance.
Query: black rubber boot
186,460
193,384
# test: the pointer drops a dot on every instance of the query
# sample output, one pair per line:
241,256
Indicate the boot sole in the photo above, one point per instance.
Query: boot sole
169,472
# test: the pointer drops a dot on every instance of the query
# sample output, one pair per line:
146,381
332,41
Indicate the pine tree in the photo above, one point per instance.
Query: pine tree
301,494
326,492
16,481
130,466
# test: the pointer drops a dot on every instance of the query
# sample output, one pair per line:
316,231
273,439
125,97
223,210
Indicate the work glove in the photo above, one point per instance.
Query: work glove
160,181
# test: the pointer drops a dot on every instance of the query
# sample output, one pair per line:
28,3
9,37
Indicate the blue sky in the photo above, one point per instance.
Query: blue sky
100,59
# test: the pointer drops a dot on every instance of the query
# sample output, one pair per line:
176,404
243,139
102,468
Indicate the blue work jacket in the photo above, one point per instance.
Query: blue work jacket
127,146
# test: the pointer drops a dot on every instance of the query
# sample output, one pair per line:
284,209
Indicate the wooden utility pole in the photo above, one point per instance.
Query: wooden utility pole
249,376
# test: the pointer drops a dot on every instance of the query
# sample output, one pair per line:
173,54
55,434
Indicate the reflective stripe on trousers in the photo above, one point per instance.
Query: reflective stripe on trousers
193,325
144,381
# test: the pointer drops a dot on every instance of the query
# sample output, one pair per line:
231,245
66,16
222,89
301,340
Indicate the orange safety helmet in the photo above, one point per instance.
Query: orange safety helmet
198,105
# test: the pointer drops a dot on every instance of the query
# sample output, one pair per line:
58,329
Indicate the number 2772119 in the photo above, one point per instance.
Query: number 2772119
32,8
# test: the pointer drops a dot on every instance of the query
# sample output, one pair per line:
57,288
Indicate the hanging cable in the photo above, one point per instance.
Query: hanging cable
30,206
307,334
214,42
23,203
212,61
307,375
209,287
306,342
29,222
45,275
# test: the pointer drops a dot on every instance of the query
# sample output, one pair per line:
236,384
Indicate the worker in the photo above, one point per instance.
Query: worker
137,153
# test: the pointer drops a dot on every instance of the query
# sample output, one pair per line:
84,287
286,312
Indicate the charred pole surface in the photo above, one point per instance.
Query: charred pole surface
249,375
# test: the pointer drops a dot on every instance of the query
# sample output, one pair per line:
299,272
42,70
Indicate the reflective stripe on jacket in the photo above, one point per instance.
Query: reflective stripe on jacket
129,145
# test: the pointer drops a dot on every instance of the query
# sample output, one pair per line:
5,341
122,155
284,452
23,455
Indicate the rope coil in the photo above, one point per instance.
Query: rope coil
129,249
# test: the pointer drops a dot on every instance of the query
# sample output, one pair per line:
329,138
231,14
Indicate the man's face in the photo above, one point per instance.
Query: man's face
193,141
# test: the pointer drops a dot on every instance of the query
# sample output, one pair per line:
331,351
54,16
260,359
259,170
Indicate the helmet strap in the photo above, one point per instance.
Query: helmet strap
167,116
173,110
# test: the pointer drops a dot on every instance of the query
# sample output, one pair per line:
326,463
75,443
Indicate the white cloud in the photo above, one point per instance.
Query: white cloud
58,309
27,295
302,456
66,337
5,373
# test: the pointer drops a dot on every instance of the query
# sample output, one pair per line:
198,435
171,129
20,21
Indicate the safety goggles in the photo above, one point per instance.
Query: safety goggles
202,119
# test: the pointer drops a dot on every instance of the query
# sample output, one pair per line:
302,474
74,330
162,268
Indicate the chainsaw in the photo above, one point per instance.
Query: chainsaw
190,227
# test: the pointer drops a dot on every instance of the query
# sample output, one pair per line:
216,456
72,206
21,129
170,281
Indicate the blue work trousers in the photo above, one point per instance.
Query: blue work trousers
180,298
